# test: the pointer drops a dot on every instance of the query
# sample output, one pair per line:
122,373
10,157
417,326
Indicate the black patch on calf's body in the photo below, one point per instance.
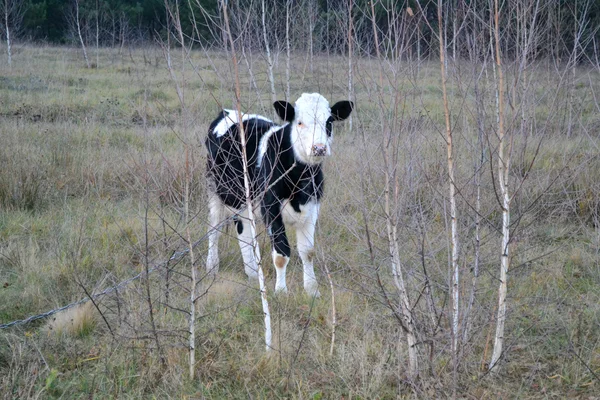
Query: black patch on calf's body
286,180
225,168
301,183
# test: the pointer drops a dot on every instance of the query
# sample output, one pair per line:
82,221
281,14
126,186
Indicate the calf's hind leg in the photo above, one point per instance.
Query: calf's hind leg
215,213
245,241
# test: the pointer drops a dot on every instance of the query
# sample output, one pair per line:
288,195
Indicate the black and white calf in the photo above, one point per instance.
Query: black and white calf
286,178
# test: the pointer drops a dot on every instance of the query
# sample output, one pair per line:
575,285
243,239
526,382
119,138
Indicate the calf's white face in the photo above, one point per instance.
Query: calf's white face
311,122
309,136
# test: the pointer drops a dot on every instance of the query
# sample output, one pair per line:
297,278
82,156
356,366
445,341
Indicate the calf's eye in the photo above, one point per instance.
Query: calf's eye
300,124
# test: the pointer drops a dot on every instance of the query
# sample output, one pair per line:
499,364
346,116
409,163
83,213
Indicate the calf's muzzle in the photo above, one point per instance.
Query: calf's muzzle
319,150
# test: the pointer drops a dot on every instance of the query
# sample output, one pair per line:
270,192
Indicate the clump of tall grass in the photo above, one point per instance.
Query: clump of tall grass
78,321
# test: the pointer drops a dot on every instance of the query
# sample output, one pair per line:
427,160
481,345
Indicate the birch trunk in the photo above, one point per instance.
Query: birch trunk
97,34
78,24
7,12
287,47
477,174
8,43
350,2
193,277
503,168
255,247
405,308
452,190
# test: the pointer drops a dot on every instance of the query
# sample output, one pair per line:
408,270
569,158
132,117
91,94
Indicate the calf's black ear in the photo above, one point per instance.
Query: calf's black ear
341,110
285,110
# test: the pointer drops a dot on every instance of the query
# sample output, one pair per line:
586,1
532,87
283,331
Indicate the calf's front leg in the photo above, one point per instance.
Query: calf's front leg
305,236
281,246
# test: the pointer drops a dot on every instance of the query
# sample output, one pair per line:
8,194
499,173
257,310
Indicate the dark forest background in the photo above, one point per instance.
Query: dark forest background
565,27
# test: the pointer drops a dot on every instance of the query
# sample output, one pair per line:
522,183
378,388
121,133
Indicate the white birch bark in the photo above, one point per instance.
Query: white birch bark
78,25
503,168
333,311
405,308
8,42
452,189
287,47
255,247
11,19
350,2
193,279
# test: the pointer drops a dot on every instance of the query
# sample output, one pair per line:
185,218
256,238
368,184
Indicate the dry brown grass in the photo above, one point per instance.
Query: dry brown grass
78,321
78,160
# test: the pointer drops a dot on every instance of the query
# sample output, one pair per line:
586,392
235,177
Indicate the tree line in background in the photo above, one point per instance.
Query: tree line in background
319,26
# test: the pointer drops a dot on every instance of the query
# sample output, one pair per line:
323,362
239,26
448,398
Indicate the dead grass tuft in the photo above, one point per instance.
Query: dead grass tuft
79,321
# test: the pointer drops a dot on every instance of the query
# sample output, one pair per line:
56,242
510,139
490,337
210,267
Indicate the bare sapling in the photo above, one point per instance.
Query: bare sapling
333,310
193,269
97,20
10,20
477,176
173,17
287,50
504,153
146,258
391,224
77,22
452,196
249,206
350,27
268,52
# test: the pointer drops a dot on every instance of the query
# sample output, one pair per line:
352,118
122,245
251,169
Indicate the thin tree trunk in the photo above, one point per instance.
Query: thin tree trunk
477,174
252,77
350,97
87,61
287,47
333,310
452,190
8,43
311,28
97,33
114,29
255,246
503,168
268,51
193,272
7,12
147,268
173,20
123,30
405,307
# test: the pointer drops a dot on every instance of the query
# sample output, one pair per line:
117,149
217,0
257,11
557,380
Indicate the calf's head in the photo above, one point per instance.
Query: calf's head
310,120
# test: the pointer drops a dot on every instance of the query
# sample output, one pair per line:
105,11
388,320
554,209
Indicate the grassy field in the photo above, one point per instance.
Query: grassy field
93,169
